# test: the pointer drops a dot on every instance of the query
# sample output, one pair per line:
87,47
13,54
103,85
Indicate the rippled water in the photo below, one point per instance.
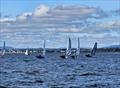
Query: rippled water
20,71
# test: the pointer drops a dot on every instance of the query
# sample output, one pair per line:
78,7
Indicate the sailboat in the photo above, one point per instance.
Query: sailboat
43,52
3,49
68,50
77,52
93,51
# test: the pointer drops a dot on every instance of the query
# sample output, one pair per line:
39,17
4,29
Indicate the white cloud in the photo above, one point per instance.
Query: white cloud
24,16
110,25
44,22
40,11
65,30
3,20
61,14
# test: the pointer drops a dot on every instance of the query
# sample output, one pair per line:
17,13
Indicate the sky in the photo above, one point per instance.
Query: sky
26,23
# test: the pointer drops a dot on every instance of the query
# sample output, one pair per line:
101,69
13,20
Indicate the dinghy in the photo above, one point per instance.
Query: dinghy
67,51
43,52
93,51
77,52
3,49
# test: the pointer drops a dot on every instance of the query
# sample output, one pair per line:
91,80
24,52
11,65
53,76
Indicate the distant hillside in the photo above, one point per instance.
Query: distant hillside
7,47
113,46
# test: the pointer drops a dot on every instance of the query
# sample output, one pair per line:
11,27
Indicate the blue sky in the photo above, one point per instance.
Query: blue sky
32,21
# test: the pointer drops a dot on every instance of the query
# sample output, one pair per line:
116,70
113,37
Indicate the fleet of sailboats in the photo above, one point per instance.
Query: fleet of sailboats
68,52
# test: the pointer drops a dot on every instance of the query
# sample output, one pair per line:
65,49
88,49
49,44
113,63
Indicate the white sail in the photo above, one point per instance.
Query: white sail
68,51
44,50
78,48
94,49
27,52
4,48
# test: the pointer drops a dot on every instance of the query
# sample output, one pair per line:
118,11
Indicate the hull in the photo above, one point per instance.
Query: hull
40,56
63,57
88,55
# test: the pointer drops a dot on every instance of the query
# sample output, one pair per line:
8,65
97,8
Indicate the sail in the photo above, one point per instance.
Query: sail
94,49
4,45
44,50
27,52
4,48
68,51
69,43
78,48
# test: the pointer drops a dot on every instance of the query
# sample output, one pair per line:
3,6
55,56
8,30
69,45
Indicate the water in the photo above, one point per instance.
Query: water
20,71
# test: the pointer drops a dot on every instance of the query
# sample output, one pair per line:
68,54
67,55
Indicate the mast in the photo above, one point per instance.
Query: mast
44,50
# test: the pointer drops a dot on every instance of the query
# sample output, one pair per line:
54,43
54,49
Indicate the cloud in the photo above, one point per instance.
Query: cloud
40,11
71,13
110,25
60,21
24,16
117,12
6,19
62,13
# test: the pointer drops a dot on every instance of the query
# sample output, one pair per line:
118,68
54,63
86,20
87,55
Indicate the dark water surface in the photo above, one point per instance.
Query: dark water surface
20,71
